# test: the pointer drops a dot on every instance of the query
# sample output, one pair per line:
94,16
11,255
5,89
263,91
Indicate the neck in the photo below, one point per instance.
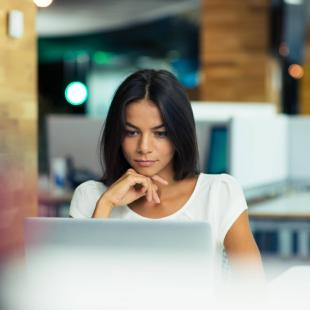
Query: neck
174,188
172,192
164,190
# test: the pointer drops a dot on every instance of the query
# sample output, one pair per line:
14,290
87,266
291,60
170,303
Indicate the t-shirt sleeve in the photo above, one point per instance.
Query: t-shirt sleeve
231,204
84,199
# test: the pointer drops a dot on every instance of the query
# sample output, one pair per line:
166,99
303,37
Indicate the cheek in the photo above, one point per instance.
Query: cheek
127,145
126,148
167,149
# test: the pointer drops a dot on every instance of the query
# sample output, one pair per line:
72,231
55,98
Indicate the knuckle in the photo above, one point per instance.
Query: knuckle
130,177
129,171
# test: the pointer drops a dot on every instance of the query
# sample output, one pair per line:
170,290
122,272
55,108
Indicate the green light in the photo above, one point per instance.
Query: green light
102,58
76,93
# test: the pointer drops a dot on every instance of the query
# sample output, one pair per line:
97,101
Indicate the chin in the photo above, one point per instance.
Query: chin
145,172
148,172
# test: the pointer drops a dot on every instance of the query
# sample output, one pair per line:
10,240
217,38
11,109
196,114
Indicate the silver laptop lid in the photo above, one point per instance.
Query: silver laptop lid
120,258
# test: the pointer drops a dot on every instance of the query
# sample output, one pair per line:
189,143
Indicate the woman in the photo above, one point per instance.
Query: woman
150,155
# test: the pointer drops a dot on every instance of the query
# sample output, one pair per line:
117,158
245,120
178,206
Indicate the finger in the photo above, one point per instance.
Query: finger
141,192
150,192
155,196
126,174
130,171
138,180
159,179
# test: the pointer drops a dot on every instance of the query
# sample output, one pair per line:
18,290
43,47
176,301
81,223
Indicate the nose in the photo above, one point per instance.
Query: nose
145,144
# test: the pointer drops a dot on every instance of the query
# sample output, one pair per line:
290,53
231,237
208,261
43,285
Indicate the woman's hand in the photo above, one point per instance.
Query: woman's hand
128,188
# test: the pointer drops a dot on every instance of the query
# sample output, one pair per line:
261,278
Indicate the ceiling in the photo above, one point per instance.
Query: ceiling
76,17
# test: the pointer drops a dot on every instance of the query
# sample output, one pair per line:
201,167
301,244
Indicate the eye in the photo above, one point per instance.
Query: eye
131,133
161,134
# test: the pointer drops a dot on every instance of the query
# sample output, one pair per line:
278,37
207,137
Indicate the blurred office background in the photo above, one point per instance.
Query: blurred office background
244,64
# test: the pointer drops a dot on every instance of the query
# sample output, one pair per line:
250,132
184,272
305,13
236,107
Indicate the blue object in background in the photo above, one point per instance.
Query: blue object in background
217,157
186,70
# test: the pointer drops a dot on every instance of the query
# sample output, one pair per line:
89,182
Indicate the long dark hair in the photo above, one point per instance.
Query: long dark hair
162,88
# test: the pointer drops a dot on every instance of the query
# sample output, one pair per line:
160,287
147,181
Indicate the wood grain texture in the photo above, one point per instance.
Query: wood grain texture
305,81
234,51
18,126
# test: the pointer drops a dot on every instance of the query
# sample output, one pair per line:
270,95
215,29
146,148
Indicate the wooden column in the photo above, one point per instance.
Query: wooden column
18,126
305,81
234,51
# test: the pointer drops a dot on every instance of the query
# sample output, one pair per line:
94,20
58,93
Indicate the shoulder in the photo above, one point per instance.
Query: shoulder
220,181
228,202
85,198
90,185
229,180
224,188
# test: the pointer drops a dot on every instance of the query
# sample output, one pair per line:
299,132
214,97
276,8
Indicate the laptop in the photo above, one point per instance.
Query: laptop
119,263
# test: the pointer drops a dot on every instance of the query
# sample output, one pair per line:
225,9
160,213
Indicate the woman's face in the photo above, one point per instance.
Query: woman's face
145,145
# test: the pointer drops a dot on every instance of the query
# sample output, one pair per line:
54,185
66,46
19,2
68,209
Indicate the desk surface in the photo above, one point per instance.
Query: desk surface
54,197
290,206
290,290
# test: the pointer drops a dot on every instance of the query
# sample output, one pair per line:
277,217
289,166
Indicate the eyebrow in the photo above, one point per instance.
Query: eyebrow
133,126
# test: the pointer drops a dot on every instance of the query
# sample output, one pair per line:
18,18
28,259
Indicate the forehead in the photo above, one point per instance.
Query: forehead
143,113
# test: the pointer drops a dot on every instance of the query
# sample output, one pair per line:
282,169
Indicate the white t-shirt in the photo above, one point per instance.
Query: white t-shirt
217,198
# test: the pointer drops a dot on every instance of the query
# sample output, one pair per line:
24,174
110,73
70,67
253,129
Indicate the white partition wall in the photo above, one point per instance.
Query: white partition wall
263,149
223,111
299,148
258,150
208,114
77,137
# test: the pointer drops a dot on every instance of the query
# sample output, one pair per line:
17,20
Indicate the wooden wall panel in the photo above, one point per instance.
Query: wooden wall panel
18,126
305,82
234,51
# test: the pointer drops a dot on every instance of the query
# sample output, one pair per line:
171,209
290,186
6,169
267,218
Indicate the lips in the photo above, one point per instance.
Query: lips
145,163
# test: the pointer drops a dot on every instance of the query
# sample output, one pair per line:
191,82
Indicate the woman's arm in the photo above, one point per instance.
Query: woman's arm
242,250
